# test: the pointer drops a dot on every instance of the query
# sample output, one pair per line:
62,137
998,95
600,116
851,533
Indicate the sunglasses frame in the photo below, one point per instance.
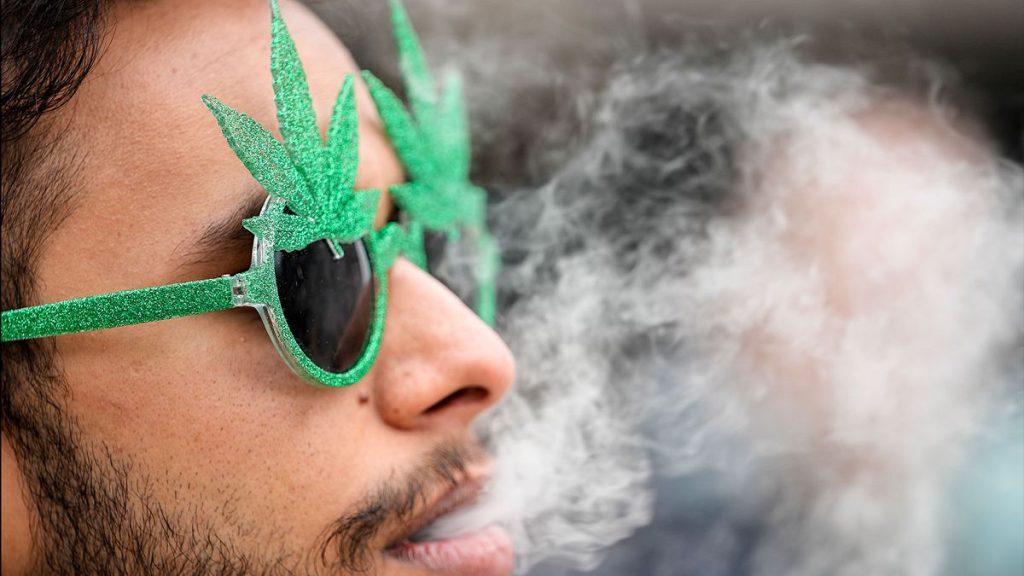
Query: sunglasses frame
256,288
315,180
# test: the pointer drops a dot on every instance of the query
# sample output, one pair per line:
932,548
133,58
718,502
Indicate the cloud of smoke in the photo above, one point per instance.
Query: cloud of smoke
767,269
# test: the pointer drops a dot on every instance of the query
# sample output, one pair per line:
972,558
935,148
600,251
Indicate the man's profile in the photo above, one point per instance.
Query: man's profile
187,445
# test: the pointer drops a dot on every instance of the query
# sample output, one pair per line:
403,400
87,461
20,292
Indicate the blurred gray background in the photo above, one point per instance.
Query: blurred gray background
572,43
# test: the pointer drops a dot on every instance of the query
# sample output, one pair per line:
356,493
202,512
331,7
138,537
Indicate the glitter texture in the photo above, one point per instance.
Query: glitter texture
433,145
318,188
117,309
312,198
315,180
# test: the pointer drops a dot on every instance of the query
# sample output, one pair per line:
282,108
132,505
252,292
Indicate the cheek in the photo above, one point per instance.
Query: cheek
191,370
209,409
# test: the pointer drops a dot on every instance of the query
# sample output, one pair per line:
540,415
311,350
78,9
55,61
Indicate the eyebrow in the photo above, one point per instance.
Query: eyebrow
225,237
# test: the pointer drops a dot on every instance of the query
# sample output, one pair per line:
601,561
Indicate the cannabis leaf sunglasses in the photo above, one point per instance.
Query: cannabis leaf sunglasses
319,272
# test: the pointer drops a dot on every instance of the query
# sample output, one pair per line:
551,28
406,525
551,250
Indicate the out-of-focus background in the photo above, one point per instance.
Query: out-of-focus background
578,40
545,86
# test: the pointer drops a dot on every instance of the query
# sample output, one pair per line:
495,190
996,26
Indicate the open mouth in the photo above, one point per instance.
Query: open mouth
485,552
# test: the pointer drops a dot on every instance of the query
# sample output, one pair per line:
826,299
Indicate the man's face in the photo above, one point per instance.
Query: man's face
216,438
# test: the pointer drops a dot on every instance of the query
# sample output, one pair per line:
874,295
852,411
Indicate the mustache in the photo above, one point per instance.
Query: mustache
394,502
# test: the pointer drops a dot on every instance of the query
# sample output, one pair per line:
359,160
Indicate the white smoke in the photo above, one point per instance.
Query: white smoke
769,269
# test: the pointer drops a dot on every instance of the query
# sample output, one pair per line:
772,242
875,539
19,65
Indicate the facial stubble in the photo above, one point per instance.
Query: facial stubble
96,512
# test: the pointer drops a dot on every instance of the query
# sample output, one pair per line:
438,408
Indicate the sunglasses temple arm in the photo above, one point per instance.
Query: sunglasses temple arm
119,309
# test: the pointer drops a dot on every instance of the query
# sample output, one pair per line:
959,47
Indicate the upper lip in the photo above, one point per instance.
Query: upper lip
459,494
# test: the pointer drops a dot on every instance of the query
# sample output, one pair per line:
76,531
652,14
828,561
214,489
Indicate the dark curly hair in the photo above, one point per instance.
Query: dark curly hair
48,48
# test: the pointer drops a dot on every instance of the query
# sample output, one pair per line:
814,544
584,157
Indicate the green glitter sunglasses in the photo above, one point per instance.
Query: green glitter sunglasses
319,272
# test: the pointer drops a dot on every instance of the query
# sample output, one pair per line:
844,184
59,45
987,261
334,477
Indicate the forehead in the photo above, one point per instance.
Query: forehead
153,167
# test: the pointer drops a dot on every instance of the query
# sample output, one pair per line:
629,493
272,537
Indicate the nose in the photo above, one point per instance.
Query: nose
439,365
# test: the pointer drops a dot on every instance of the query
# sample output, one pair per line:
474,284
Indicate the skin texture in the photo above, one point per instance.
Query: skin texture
15,513
211,423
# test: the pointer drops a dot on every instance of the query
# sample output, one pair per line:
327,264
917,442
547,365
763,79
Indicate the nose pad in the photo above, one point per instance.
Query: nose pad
439,365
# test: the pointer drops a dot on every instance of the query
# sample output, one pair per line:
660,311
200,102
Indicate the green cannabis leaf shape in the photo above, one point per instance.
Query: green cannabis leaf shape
432,142
315,180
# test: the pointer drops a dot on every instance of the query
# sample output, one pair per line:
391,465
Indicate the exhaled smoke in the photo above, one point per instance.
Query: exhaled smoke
770,270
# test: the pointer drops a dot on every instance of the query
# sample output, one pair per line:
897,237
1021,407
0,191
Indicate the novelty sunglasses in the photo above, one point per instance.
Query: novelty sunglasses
319,272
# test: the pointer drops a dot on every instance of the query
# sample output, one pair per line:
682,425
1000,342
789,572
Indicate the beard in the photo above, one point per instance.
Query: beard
96,513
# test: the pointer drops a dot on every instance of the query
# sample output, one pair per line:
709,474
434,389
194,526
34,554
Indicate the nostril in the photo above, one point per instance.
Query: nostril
466,395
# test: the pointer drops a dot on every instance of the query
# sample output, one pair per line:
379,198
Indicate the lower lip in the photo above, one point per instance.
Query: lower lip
488,552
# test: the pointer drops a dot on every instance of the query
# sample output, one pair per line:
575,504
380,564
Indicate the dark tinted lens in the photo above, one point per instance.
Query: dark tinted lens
328,302
453,262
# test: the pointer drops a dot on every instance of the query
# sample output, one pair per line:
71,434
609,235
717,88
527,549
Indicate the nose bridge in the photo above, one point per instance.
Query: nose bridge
439,364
